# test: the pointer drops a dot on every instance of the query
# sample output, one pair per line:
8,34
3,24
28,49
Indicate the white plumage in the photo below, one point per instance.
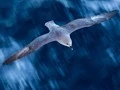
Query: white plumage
60,34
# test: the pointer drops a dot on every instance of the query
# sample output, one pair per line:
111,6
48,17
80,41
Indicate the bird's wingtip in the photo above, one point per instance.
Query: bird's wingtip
111,14
115,12
4,63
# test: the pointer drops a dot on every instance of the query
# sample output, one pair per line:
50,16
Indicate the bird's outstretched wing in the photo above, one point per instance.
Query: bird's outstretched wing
33,46
87,22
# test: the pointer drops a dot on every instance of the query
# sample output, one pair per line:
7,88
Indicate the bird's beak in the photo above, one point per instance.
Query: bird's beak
71,47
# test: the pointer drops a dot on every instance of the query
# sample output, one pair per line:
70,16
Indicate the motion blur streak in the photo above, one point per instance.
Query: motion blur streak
93,64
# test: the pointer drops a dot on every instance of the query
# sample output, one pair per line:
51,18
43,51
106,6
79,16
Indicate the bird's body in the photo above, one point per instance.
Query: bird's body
60,34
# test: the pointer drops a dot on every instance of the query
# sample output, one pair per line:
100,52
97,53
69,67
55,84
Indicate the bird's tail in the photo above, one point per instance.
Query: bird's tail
103,17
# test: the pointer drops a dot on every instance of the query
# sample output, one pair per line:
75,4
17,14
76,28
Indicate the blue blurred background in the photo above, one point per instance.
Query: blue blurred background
94,64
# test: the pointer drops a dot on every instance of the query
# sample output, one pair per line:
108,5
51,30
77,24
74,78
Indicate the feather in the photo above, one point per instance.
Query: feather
87,22
33,46
59,33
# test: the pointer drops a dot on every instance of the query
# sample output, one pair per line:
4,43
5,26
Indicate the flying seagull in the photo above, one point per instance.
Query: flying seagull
60,34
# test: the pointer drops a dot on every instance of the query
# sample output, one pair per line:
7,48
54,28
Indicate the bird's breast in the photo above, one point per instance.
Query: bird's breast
58,32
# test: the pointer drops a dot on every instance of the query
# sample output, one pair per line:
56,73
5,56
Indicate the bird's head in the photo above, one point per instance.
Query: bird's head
65,40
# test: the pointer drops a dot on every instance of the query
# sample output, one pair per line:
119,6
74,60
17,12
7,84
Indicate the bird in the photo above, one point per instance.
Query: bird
61,34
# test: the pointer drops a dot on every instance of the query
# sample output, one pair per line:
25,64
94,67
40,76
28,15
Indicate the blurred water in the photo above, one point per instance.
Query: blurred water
93,64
